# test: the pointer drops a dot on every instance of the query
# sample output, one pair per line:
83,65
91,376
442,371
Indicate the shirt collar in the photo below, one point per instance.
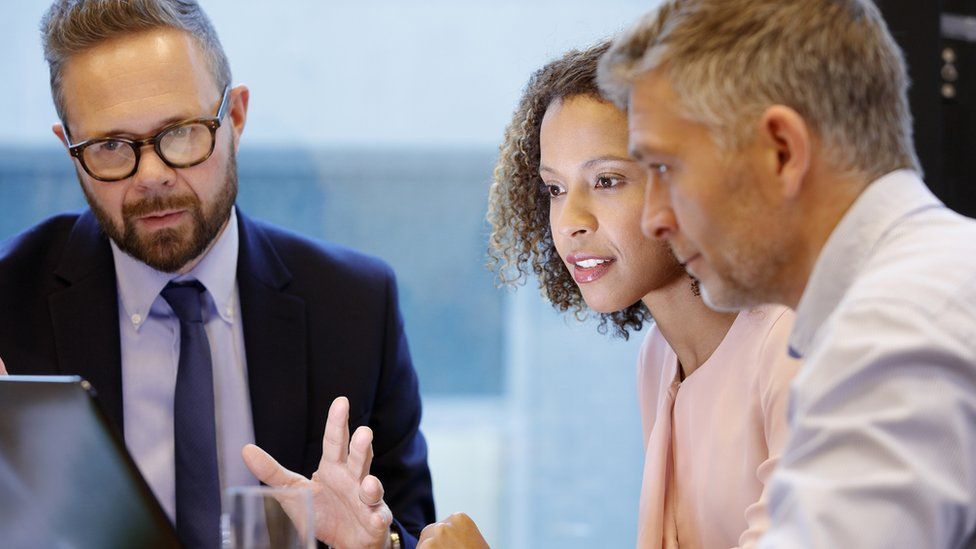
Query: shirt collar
879,207
139,284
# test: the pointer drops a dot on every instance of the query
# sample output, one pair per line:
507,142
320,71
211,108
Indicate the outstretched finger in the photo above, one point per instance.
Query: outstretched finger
361,452
335,442
267,469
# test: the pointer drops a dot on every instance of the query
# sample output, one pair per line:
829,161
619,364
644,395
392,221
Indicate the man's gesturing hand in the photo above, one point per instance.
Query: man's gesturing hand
347,502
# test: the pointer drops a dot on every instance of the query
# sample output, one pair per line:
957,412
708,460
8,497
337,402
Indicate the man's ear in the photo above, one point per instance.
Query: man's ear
237,111
790,147
59,131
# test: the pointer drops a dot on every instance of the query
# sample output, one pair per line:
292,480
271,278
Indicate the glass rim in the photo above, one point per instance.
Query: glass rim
266,490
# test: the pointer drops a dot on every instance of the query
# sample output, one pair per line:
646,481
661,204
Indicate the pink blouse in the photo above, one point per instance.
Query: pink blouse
712,441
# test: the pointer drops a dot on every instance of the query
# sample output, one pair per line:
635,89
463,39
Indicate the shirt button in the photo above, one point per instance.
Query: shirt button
136,318
230,311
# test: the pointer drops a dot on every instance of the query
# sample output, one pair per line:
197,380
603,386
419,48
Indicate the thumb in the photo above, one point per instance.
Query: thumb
266,469
371,491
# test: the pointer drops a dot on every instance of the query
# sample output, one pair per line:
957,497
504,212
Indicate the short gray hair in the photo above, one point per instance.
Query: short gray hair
832,61
72,26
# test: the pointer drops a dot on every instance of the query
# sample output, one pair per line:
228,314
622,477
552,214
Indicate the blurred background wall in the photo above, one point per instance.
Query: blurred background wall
375,124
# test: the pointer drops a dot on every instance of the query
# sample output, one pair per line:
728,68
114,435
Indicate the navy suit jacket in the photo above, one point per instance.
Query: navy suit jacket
319,321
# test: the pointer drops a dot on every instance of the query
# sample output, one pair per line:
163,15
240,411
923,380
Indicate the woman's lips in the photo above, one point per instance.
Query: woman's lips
585,274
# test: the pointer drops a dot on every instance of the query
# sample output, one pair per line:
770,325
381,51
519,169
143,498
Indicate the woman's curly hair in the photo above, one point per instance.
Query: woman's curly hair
518,204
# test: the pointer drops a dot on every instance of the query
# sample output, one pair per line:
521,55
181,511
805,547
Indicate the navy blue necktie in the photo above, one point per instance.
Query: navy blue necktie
197,477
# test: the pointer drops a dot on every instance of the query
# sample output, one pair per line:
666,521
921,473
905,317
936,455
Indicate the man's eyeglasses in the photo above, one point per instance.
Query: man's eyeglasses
179,145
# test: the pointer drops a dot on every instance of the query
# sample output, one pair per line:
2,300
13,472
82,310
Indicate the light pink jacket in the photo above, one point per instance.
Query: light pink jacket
712,441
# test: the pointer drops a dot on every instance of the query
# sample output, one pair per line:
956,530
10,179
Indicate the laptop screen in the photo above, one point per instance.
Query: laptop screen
66,480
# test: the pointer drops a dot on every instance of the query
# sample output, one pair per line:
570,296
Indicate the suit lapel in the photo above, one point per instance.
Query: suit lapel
275,345
85,315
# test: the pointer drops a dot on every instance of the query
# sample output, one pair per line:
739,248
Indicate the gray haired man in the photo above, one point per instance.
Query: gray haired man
778,140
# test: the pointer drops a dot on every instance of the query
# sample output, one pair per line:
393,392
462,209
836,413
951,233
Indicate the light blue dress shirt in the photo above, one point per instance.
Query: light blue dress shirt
150,336
882,450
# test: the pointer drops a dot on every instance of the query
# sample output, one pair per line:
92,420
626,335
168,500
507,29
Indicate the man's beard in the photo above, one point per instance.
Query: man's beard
748,265
169,250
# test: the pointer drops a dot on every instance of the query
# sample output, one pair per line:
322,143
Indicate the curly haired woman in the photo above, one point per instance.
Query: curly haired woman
713,387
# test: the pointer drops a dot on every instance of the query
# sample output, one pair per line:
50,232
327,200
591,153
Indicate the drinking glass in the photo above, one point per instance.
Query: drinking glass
259,517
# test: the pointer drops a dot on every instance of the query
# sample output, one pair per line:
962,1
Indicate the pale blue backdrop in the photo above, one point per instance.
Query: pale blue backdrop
375,124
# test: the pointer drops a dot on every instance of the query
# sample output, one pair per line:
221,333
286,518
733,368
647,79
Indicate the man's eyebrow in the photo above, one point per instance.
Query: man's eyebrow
129,135
644,153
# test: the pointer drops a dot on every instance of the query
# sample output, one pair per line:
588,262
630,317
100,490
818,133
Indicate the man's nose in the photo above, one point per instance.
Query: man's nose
659,223
152,171
657,217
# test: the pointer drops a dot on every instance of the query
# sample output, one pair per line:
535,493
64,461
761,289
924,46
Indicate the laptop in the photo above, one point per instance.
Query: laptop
66,479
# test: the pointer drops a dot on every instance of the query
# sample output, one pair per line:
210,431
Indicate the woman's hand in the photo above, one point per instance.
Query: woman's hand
457,531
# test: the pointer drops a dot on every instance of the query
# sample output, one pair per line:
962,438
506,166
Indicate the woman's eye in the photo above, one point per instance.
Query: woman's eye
607,181
554,190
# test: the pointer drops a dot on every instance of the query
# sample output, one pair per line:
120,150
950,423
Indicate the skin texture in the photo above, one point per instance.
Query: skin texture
749,223
361,521
3,369
457,531
596,194
132,87
725,215
520,243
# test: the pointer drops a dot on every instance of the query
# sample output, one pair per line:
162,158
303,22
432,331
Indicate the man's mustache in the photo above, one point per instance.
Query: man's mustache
154,204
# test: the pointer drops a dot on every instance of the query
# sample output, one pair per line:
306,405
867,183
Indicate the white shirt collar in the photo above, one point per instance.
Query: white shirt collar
139,284
879,207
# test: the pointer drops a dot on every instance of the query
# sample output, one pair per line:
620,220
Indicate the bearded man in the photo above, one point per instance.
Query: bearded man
203,330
